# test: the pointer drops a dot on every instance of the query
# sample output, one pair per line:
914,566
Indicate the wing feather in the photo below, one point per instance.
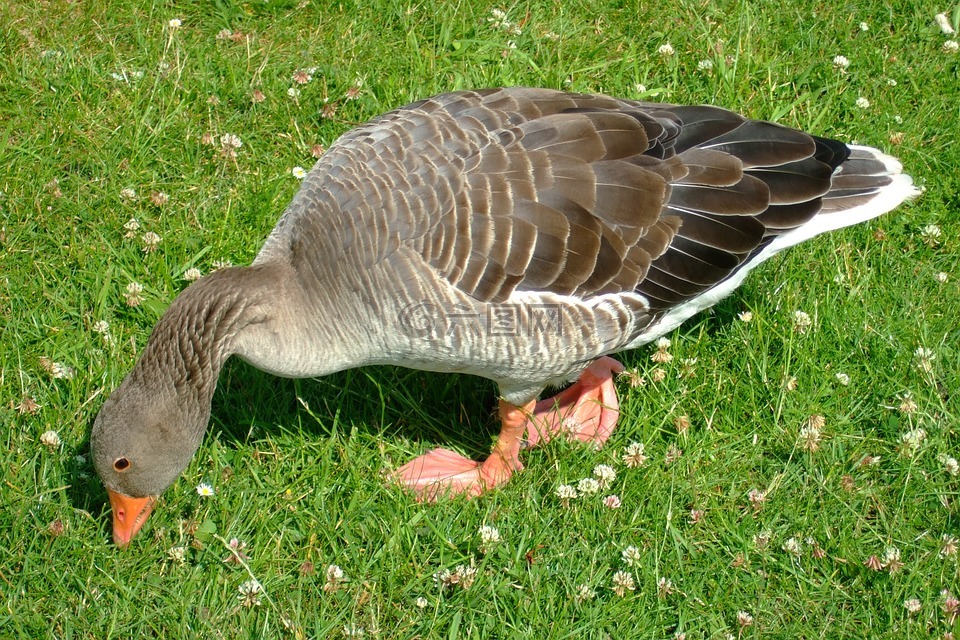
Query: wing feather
508,190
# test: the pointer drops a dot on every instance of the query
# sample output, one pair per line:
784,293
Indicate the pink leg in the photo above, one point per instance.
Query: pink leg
442,471
587,411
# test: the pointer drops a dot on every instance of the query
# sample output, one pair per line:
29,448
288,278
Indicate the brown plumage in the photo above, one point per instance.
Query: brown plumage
623,218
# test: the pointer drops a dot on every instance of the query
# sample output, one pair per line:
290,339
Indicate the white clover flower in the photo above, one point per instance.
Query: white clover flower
913,438
662,356
623,582
634,379
101,326
131,226
302,76
299,173
465,575
925,358
566,492
605,475
864,26
664,587
841,62
922,353
205,490
230,141
862,103
250,593
944,23
930,234
948,546
50,439
762,539
489,538
150,241
801,321
422,603
809,437
665,49
942,277
612,501
132,295
892,83
639,88
588,486
843,379
756,497
633,455
444,578
177,554
745,316
334,573
175,23
335,577
705,65
912,605
585,592
128,194
907,403
951,46
571,427
744,619
951,465
498,18
792,546
293,92
62,371
192,274
631,556
57,370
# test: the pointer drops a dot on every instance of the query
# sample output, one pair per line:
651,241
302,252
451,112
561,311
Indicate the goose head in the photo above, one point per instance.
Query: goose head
143,438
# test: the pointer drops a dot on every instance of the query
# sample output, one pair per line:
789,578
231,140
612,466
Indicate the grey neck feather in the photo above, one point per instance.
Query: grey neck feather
198,332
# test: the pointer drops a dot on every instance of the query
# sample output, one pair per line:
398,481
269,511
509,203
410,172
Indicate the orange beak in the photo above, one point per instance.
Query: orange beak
129,514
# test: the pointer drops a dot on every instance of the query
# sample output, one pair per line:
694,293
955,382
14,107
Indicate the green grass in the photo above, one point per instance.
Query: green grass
297,465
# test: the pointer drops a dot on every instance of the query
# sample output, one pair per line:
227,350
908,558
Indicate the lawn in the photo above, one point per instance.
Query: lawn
798,474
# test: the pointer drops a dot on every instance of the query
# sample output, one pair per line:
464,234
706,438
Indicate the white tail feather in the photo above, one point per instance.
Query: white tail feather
886,199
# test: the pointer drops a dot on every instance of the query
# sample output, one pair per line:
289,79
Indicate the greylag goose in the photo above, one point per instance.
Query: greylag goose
518,234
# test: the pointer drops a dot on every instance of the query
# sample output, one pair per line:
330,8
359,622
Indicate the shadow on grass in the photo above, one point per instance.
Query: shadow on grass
381,401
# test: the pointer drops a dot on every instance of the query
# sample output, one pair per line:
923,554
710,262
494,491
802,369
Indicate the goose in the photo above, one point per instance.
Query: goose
519,234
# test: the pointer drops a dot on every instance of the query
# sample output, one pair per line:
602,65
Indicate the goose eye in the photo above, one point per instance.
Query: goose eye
121,464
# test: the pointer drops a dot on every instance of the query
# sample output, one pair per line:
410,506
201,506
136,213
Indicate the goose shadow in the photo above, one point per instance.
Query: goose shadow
382,401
